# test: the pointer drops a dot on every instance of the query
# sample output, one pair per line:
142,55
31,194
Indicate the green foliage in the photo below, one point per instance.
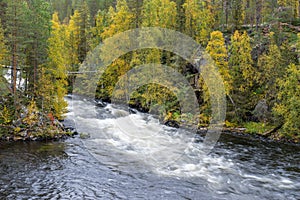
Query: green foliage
120,19
271,68
288,108
5,116
238,13
31,117
257,128
58,60
161,13
199,20
241,62
217,50
3,47
243,75
45,50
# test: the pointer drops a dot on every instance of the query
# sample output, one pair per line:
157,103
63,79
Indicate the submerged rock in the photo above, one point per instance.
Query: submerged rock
100,103
84,136
172,123
132,111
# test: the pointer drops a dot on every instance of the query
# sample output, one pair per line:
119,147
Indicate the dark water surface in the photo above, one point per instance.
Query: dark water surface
111,165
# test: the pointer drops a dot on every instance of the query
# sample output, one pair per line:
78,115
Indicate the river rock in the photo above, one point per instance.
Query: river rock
172,123
132,111
100,103
84,135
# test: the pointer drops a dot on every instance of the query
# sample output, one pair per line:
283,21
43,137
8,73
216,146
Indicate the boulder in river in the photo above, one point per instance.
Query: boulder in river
172,123
84,136
100,103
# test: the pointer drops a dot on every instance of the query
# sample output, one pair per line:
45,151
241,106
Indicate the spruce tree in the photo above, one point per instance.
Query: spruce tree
288,107
243,75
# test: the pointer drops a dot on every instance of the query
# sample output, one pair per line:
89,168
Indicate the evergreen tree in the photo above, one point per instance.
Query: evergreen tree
289,106
97,31
159,13
37,34
238,13
3,47
243,74
15,27
119,19
85,29
198,20
270,68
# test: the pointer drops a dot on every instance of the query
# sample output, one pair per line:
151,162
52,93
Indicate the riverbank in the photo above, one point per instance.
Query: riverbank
43,129
245,134
49,129
49,133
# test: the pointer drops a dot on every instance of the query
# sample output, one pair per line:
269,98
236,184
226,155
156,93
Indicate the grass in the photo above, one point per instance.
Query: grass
257,127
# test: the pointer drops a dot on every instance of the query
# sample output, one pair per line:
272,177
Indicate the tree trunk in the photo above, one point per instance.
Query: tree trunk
14,56
258,13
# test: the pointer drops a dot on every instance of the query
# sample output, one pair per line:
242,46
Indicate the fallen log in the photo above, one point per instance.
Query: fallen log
269,133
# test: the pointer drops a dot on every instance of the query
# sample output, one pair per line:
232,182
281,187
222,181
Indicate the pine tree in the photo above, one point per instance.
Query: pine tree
287,52
85,28
46,89
37,33
15,22
157,14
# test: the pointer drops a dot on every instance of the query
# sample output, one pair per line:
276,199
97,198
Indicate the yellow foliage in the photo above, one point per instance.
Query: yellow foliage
217,50
3,48
199,20
159,13
32,114
121,20
59,56
241,62
5,116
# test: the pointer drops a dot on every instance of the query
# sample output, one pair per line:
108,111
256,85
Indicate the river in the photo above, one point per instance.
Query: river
121,161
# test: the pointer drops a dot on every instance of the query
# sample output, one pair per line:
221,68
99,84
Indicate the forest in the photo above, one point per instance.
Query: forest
255,45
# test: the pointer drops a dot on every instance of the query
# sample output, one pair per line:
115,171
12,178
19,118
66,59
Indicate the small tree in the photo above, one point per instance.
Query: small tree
3,47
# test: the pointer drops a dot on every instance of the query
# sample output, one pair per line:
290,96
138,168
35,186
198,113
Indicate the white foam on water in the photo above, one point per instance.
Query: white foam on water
166,151
20,81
